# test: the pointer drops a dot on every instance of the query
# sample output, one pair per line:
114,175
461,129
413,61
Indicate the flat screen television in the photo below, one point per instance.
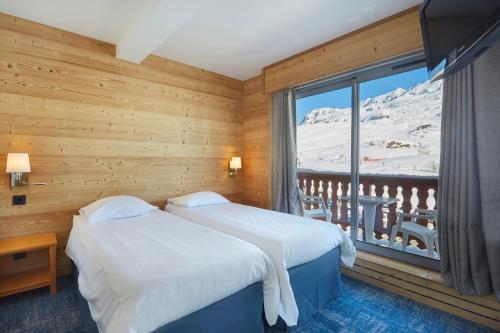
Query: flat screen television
457,31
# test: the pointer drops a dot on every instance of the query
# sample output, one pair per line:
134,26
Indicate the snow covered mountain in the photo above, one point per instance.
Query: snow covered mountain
399,134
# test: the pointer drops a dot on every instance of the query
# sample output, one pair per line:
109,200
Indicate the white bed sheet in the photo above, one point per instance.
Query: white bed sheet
289,240
140,273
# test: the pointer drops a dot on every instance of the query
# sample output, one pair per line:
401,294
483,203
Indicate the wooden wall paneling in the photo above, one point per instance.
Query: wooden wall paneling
97,126
395,35
72,119
73,83
219,84
46,32
256,143
25,42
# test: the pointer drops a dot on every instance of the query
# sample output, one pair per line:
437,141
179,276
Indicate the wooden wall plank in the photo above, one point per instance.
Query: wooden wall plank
224,85
393,36
18,24
97,126
256,143
172,102
22,43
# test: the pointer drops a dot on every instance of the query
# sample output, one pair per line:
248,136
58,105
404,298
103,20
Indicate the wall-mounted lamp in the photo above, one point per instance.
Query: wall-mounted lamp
234,165
18,165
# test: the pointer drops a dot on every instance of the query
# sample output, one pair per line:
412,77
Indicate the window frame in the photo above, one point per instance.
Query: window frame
354,78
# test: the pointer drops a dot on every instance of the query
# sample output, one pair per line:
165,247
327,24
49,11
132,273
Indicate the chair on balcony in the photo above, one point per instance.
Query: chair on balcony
311,201
411,227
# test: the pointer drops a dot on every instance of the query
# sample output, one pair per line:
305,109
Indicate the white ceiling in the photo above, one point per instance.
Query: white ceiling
236,38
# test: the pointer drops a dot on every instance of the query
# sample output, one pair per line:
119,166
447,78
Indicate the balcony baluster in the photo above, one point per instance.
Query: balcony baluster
333,185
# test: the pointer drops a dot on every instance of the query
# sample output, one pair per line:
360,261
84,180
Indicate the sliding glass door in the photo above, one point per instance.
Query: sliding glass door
368,144
324,135
399,160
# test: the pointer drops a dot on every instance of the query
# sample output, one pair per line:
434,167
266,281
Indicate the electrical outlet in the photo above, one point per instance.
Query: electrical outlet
19,255
18,200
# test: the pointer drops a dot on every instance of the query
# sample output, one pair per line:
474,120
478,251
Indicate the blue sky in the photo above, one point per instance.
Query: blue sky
342,98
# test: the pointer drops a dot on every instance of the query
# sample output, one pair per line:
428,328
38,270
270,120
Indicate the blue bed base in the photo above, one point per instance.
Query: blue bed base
314,283
239,312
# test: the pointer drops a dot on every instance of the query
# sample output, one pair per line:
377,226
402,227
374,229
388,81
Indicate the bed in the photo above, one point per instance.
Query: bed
158,272
306,252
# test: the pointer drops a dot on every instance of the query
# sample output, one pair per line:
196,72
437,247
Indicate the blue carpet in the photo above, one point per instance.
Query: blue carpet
38,312
361,308
364,308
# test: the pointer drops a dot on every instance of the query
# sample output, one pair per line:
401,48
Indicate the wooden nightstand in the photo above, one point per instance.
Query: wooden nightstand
35,278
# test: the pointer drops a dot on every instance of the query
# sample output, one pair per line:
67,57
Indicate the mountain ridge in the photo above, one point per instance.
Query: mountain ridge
329,114
399,133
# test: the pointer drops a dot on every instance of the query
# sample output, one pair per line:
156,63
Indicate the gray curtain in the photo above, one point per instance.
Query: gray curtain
284,191
469,178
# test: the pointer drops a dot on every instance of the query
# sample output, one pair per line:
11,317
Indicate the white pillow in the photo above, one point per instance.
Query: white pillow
198,199
117,207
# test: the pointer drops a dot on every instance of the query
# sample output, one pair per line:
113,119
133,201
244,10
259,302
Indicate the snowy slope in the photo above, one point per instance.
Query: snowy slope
399,134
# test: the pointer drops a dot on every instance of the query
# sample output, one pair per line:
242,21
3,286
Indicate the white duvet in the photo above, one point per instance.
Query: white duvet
140,273
288,240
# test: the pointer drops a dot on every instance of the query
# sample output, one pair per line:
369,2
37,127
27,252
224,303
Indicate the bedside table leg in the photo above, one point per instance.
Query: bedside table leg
52,261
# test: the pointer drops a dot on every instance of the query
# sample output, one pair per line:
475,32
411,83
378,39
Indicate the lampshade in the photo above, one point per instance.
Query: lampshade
18,162
235,163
